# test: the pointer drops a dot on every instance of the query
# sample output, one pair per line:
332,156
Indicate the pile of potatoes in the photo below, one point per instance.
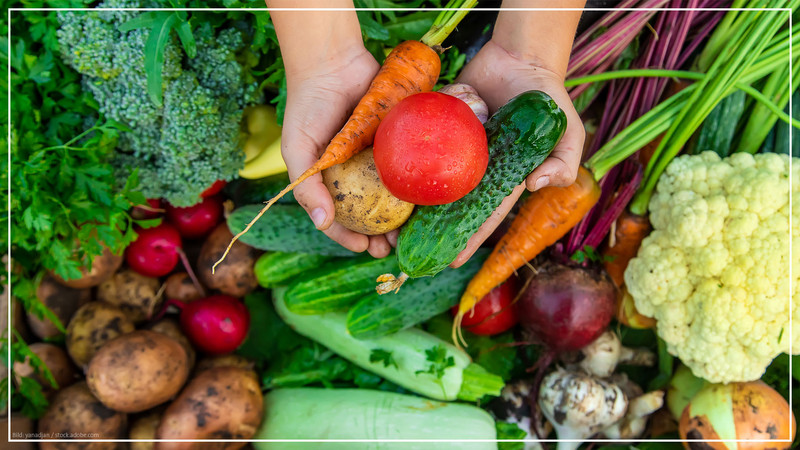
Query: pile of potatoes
125,373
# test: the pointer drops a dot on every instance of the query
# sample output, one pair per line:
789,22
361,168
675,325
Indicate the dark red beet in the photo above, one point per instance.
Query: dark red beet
216,324
198,220
566,307
156,250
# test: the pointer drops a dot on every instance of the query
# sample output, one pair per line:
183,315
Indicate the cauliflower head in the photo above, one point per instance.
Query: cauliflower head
714,272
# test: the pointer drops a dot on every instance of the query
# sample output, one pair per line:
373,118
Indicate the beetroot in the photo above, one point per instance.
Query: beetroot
566,307
217,324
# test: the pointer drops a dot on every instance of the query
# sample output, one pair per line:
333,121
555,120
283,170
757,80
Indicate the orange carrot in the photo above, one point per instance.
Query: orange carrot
629,231
545,217
412,67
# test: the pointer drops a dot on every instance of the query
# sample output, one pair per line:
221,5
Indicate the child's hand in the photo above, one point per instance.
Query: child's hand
319,101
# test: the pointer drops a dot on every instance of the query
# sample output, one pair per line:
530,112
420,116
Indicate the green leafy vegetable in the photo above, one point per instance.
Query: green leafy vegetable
384,356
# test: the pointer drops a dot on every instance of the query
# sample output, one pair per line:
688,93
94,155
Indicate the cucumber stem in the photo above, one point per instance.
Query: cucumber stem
389,283
476,382
447,21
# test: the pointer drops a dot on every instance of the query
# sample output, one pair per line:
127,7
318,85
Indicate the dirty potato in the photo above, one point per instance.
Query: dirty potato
171,328
226,360
235,275
75,413
179,286
55,359
93,325
103,266
138,371
135,294
60,299
219,403
144,428
362,202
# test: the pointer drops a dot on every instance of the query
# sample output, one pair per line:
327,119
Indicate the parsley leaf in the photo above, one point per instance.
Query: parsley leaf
384,356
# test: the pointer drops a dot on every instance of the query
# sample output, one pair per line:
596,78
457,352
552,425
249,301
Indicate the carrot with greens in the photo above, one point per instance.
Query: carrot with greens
412,67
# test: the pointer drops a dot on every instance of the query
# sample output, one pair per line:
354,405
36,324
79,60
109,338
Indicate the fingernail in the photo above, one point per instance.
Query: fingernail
318,216
541,182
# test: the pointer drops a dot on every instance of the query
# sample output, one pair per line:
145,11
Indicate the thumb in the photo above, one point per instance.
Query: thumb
300,153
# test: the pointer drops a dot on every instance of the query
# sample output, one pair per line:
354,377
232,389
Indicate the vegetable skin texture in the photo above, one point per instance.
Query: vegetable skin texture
714,272
544,217
431,149
219,403
63,301
102,267
55,359
132,292
235,276
521,135
279,268
318,413
407,348
361,201
138,371
410,68
628,234
746,411
94,324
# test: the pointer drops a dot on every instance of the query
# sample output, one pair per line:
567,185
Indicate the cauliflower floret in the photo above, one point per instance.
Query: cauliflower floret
714,272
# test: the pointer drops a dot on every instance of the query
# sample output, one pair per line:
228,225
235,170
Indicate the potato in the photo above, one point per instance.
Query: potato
227,360
234,276
219,403
135,294
179,286
171,328
75,413
56,359
103,266
138,371
21,428
62,300
144,428
93,325
362,202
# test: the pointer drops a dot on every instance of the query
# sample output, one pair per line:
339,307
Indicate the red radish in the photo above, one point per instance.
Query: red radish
216,324
196,221
214,189
430,149
155,252
150,211
566,307
494,314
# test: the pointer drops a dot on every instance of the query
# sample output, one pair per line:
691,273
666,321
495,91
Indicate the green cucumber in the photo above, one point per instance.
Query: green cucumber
278,268
245,192
365,414
719,128
521,134
405,356
420,299
337,284
287,228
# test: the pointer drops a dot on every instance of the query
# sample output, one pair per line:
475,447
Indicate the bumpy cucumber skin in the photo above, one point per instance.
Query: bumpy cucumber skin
284,228
521,135
279,268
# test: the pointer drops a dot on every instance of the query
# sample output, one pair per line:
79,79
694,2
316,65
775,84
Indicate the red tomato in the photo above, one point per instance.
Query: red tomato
214,188
196,221
493,314
430,149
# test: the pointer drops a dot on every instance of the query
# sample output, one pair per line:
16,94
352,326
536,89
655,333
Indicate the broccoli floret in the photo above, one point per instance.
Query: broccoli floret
181,147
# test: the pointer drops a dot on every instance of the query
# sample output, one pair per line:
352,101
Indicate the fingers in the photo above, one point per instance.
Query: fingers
561,167
378,246
355,242
488,227
391,237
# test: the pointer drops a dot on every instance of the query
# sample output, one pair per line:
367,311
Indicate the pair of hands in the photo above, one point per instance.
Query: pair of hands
320,99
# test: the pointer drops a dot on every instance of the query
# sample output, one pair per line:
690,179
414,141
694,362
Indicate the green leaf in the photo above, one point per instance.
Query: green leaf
187,38
144,20
371,28
384,356
665,366
506,430
154,54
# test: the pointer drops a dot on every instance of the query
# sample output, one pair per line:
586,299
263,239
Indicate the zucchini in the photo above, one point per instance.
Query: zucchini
245,192
411,358
278,268
521,134
336,285
365,414
287,228
420,299
719,127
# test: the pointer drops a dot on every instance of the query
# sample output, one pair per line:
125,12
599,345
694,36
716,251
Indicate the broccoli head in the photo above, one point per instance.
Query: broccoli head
192,139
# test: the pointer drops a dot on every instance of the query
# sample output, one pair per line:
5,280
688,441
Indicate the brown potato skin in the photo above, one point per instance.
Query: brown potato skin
170,327
93,325
144,428
103,266
362,202
135,294
226,360
219,403
179,286
138,371
75,410
21,428
235,275
56,359
62,300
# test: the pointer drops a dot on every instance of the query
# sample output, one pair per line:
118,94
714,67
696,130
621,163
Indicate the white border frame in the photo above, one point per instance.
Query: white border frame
10,322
